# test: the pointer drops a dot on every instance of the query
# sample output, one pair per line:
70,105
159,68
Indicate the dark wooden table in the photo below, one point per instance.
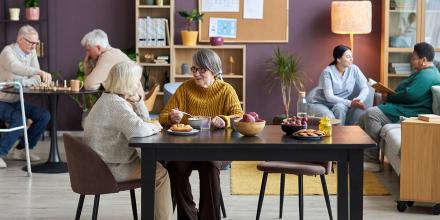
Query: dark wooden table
345,146
53,163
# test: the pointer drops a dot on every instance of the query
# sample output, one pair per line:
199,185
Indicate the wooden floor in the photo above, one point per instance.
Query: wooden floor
48,196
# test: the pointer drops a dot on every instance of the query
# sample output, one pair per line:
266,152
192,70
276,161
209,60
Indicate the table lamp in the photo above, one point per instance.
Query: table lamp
351,17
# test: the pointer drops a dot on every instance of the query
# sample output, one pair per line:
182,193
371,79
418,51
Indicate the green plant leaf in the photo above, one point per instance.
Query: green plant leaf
31,3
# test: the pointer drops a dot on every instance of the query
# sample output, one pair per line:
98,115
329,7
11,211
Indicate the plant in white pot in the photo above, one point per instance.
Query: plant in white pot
286,69
189,37
32,9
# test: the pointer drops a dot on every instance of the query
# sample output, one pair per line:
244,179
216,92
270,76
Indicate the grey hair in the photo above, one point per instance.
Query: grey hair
25,31
209,60
95,38
124,78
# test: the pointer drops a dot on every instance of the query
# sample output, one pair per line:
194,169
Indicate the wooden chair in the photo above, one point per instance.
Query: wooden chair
89,175
150,98
297,168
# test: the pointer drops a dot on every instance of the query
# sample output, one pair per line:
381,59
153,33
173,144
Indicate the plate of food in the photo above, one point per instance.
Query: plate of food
182,130
309,134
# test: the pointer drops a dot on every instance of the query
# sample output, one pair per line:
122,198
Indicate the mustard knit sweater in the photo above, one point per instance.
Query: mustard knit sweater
219,99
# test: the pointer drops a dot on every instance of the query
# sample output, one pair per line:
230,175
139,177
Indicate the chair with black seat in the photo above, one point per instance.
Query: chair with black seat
89,175
297,168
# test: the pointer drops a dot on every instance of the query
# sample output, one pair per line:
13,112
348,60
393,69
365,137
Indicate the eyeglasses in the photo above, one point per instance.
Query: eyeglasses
200,70
31,42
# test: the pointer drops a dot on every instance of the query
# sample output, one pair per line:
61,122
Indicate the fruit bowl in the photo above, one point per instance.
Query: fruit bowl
290,129
249,128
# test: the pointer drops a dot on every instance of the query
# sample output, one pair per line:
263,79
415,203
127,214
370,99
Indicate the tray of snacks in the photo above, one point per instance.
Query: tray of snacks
308,134
182,130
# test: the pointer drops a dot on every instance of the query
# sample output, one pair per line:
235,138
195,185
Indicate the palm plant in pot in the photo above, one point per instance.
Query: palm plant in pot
285,68
32,9
189,37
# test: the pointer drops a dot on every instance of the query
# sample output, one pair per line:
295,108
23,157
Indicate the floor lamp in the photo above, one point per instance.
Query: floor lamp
351,17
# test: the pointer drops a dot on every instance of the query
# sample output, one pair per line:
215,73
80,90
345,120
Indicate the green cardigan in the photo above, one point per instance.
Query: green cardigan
413,95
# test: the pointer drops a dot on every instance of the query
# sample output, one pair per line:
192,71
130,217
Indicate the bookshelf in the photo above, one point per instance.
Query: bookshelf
183,55
146,54
405,23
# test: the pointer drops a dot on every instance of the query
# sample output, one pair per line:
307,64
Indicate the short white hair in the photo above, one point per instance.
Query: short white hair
124,78
95,38
25,31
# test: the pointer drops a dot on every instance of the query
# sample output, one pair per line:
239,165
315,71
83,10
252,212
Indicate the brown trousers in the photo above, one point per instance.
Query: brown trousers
209,174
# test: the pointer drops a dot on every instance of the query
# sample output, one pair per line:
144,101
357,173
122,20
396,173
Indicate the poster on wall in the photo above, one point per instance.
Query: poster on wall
223,27
220,5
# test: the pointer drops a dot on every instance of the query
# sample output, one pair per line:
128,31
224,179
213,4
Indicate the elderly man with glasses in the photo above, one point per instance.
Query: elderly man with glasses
19,62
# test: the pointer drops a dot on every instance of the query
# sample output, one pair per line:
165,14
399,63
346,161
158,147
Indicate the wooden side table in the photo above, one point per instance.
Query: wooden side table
420,163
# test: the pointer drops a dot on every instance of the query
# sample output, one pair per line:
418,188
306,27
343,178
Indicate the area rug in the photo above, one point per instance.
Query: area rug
246,180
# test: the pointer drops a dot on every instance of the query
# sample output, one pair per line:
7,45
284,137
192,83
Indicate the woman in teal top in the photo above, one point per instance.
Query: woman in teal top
413,96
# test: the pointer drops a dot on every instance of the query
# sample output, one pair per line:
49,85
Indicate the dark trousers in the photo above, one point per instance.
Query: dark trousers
209,174
11,114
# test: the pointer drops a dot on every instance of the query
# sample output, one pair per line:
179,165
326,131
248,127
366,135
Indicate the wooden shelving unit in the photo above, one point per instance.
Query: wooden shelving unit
155,72
183,55
403,25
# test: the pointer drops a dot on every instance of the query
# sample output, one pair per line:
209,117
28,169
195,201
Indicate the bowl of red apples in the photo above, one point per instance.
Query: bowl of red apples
250,124
293,124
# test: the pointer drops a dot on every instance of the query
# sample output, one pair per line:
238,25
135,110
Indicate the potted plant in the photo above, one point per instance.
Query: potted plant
286,69
189,37
32,9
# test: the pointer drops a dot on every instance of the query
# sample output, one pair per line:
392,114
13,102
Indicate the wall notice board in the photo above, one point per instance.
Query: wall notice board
273,28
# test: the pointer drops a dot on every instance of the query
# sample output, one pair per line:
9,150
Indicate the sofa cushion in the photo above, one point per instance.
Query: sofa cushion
391,134
436,99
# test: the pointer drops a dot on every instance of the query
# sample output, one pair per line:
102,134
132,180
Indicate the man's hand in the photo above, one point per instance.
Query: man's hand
87,66
45,76
357,103
175,116
218,122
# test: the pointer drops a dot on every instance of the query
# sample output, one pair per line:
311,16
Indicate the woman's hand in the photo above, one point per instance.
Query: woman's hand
357,103
134,98
218,122
175,116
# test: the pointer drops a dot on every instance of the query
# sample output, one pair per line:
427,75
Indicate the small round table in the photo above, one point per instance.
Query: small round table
53,163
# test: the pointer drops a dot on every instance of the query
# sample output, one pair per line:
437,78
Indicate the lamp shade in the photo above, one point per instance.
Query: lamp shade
351,17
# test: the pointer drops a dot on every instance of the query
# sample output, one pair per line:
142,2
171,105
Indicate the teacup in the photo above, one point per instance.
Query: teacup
76,85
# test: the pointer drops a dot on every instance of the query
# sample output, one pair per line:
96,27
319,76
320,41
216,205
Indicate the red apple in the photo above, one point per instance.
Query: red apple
254,114
247,118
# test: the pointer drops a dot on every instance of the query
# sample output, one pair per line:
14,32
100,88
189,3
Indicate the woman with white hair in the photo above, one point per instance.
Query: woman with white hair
99,59
115,118
206,95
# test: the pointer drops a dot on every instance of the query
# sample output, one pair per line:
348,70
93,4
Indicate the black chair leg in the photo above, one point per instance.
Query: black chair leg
133,204
80,207
282,181
261,197
301,197
95,207
222,204
327,200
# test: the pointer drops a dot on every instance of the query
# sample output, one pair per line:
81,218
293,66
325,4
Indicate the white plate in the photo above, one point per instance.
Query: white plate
183,133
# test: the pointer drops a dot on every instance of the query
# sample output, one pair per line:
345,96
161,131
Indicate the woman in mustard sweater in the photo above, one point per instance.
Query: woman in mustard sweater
204,95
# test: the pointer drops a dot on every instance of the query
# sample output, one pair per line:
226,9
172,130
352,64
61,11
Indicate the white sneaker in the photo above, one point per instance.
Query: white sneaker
2,163
17,154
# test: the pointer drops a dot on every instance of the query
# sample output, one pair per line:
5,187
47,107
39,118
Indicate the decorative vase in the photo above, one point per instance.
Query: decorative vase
216,41
185,69
189,38
149,2
33,14
159,2
14,14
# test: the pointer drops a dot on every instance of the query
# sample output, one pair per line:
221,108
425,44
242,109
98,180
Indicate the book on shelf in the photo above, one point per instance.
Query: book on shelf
379,87
429,117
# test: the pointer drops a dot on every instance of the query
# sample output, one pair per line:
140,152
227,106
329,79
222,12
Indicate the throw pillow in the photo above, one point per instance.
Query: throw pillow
436,99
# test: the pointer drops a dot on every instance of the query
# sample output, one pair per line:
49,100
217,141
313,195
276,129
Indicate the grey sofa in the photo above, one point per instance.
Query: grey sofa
391,135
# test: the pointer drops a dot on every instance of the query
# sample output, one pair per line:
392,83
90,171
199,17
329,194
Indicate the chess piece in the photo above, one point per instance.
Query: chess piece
231,63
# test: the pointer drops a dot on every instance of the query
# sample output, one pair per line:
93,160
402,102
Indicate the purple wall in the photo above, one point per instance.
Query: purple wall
309,31
310,37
